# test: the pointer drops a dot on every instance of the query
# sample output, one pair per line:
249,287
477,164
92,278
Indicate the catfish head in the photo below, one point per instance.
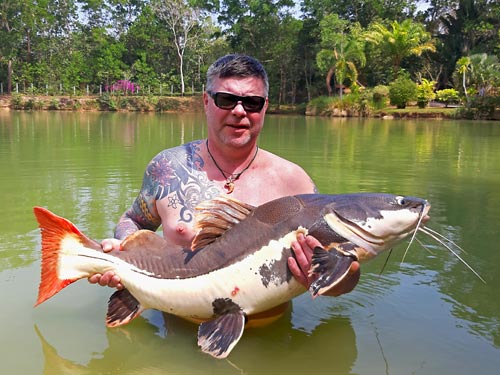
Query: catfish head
375,222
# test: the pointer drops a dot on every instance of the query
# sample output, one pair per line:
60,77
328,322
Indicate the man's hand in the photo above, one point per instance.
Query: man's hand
108,278
300,265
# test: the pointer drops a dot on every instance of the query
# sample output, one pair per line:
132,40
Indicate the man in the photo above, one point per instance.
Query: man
228,162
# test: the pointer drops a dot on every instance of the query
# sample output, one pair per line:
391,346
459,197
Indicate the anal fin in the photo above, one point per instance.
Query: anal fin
331,267
218,337
122,308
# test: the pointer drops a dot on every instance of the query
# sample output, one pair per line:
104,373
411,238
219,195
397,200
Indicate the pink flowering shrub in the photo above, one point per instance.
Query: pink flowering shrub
124,86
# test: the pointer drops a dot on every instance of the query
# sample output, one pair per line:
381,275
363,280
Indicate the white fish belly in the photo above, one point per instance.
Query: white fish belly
255,283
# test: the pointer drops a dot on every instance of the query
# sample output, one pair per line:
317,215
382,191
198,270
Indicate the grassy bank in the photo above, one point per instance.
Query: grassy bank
103,103
367,104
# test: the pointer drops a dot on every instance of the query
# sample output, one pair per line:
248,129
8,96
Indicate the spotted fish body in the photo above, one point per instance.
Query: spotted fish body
237,265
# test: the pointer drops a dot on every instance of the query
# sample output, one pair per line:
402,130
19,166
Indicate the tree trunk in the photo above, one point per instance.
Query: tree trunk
329,76
9,76
308,82
181,70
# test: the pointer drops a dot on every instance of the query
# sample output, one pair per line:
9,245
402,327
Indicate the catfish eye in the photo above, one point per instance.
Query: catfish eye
401,200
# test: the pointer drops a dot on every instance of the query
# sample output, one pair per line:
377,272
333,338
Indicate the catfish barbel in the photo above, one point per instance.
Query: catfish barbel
237,264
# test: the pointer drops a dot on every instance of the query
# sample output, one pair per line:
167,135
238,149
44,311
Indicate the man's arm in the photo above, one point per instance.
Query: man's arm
131,221
141,215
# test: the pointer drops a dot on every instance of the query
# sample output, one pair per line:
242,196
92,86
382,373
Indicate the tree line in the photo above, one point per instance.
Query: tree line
309,48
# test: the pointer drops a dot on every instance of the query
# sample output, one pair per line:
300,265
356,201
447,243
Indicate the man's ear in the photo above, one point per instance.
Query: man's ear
205,99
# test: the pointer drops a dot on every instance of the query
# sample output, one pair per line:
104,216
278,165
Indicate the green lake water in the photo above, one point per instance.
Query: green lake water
425,314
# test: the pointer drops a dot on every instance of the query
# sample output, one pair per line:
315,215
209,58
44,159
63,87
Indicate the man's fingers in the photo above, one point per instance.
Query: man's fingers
301,257
354,268
311,242
94,279
106,279
109,244
297,272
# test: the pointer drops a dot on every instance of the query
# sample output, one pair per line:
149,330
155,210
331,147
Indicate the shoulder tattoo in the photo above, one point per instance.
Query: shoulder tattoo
176,174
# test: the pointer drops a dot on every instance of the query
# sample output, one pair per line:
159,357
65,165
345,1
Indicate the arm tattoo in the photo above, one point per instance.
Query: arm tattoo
139,216
175,174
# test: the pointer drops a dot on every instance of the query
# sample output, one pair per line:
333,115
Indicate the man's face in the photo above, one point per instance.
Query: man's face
235,127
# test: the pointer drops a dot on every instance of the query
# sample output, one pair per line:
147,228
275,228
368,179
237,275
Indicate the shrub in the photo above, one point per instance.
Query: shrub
123,86
401,91
141,104
480,107
106,103
75,104
320,105
16,101
380,96
425,92
54,104
34,104
166,104
447,96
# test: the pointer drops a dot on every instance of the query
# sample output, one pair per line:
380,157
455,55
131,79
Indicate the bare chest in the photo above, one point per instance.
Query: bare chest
178,209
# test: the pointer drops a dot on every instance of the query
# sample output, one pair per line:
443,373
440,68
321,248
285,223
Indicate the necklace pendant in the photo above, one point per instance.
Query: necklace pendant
229,186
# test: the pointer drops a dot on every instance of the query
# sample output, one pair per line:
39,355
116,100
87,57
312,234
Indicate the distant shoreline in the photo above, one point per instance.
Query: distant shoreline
194,104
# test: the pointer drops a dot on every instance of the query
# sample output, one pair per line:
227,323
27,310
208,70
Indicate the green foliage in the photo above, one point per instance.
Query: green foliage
481,107
484,73
136,103
166,104
362,11
107,102
447,96
468,28
380,96
401,91
425,92
143,73
343,50
54,104
50,44
400,40
16,101
354,104
33,104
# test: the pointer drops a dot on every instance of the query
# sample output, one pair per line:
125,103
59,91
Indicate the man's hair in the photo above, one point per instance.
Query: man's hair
236,65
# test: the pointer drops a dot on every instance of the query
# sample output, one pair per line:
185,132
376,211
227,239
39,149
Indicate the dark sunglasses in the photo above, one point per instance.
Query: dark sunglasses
225,100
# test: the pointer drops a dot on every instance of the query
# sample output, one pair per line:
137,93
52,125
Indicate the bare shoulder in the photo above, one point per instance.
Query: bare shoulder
282,165
290,174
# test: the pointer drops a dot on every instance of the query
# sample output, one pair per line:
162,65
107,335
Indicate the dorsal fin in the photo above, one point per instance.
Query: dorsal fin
215,216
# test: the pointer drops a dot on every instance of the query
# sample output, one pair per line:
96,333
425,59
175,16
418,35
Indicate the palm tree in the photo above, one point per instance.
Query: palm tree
400,40
463,66
343,49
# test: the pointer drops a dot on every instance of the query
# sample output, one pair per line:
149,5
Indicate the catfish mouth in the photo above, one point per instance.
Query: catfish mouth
360,232
379,240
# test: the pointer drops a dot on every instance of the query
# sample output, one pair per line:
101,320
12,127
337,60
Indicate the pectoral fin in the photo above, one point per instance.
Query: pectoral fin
122,308
214,217
331,266
218,337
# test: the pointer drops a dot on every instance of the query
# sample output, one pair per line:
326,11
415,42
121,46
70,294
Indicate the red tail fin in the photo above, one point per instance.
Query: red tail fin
54,229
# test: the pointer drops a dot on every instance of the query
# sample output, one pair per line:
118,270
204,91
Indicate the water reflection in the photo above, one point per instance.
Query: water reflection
166,344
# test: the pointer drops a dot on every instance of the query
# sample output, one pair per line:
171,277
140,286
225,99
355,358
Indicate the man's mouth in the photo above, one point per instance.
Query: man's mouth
238,126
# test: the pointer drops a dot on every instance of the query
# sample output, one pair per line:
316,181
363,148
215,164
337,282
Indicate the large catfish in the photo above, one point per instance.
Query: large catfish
237,265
